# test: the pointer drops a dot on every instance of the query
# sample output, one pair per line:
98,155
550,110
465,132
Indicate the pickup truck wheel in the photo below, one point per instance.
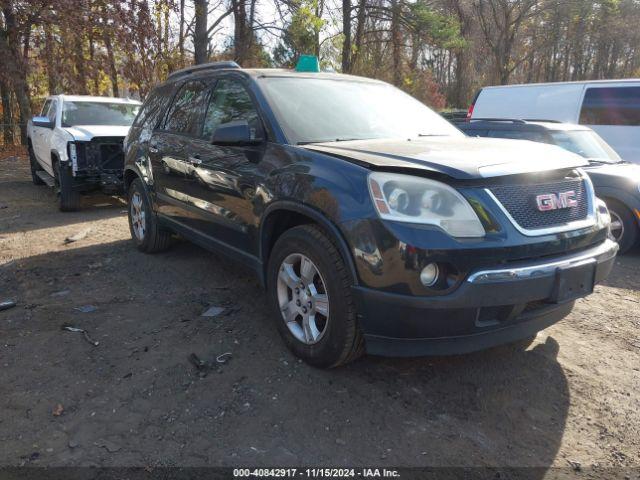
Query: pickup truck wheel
624,229
69,199
148,236
309,290
34,167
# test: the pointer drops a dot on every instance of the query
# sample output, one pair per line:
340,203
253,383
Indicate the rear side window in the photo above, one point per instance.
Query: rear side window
187,110
611,106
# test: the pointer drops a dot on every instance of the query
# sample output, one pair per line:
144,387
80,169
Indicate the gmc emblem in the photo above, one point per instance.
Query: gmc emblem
551,201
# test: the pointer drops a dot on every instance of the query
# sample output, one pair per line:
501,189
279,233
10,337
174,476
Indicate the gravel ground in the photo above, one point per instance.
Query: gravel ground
136,400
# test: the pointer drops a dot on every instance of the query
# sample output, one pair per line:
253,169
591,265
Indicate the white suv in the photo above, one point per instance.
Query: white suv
75,145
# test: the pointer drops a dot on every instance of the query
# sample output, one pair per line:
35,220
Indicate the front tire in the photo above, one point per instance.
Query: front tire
35,168
309,290
69,199
147,235
624,229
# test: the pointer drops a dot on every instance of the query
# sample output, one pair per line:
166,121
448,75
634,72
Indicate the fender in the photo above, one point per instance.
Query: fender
316,216
631,201
134,168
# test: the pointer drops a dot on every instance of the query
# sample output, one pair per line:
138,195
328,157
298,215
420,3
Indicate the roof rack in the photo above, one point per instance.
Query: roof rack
204,66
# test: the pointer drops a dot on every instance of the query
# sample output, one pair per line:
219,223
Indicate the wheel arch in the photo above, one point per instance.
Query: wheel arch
283,215
129,176
620,196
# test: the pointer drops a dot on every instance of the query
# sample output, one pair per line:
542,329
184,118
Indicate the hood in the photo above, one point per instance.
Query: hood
625,171
457,157
85,133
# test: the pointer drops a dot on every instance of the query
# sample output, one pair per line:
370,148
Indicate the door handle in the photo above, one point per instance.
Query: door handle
194,160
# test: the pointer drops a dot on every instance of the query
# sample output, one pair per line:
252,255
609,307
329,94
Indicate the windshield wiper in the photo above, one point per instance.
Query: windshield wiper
331,141
605,161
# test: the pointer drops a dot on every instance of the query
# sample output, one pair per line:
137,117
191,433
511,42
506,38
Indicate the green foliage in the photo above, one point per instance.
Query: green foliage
301,35
433,27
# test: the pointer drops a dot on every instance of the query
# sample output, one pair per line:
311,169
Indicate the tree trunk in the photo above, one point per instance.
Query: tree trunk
52,71
7,114
396,41
201,40
14,66
181,34
346,32
113,71
81,73
359,34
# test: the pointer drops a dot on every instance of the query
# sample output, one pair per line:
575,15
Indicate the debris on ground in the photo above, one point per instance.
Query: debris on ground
78,236
71,328
224,310
224,358
214,311
202,367
61,293
110,446
575,465
58,410
87,308
7,304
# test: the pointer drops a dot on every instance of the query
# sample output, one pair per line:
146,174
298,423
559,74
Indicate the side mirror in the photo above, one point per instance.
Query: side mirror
237,133
42,122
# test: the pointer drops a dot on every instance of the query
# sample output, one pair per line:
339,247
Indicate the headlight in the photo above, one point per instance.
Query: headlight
604,217
405,198
73,156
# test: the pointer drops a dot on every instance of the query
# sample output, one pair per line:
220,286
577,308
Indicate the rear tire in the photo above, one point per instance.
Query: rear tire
146,233
334,338
35,167
69,199
627,232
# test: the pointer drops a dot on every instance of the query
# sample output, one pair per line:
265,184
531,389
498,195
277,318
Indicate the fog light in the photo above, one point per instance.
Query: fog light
429,275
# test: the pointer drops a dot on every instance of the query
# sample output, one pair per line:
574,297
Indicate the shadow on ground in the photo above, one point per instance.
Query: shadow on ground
136,400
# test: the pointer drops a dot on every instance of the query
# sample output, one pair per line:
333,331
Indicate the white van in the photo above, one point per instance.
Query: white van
610,107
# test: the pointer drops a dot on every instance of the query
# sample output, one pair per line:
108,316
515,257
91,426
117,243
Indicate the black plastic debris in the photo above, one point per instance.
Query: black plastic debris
71,328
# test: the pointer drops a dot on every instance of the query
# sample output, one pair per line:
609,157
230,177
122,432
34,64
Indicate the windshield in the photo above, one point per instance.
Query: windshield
585,143
324,110
98,113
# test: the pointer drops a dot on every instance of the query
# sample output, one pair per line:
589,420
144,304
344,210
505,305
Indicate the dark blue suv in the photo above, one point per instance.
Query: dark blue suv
373,223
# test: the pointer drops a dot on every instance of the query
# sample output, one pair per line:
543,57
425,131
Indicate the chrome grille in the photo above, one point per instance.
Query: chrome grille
520,202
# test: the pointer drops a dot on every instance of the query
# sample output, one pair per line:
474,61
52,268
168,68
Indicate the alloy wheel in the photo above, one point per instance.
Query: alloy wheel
138,216
617,226
303,299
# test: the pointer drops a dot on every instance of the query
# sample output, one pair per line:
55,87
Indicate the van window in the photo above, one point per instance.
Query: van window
611,106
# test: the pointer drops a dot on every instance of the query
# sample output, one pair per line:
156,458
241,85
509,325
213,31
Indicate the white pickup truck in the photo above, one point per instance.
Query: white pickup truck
75,145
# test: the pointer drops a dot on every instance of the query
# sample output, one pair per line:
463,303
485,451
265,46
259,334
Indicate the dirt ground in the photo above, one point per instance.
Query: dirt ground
571,400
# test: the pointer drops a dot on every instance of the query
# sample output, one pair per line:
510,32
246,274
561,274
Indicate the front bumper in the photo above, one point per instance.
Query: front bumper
491,307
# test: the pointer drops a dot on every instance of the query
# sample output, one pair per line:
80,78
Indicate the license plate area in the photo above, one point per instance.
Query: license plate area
574,281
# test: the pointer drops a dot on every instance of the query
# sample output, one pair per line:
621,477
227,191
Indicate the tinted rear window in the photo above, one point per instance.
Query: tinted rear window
611,106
